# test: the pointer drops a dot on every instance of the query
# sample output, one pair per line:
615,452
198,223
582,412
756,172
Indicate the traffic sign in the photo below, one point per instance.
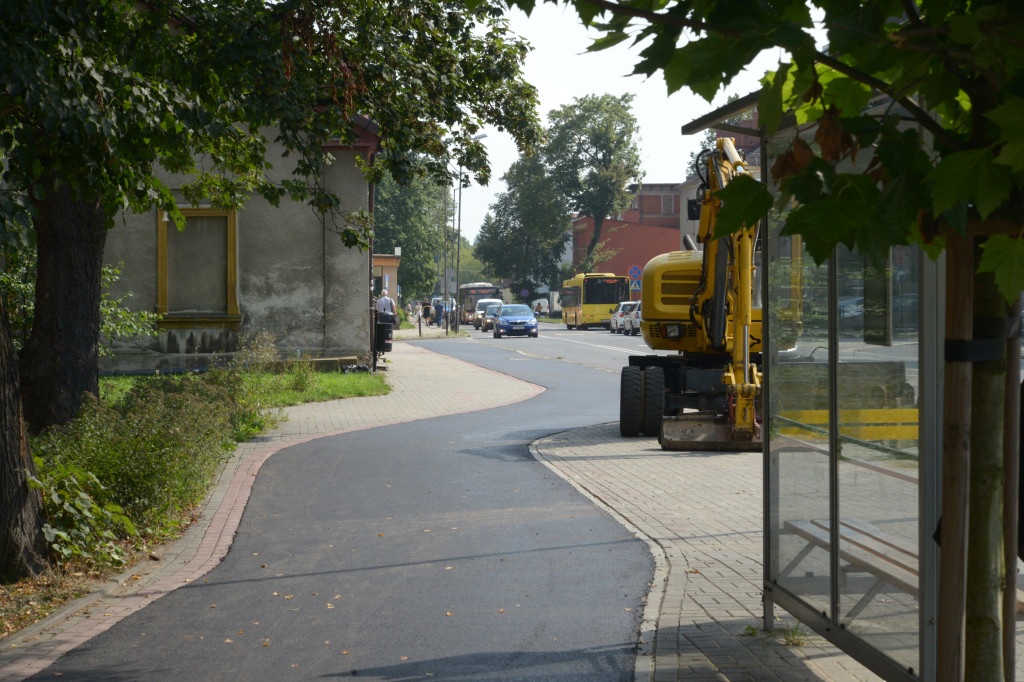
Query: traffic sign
634,272
634,285
524,293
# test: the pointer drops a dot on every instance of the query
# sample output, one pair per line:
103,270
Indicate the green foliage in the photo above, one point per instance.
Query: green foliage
932,89
240,376
525,238
410,216
18,287
81,522
591,156
1003,256
743,203
302,376
155,453
102,94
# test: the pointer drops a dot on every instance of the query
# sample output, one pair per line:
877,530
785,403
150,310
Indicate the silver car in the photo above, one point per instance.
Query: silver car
615,326
631,320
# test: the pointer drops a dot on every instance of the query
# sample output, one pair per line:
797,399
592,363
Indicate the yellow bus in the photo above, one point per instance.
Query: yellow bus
588,299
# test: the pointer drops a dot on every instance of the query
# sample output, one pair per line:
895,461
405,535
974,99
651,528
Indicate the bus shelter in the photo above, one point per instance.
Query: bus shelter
851,424
852,447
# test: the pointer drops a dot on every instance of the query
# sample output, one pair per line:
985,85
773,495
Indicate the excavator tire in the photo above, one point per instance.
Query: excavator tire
654,401
629,402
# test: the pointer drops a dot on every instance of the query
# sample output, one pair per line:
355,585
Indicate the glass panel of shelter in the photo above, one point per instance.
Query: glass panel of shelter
842,467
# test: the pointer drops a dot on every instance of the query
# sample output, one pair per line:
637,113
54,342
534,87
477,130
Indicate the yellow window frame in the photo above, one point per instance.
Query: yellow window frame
230,318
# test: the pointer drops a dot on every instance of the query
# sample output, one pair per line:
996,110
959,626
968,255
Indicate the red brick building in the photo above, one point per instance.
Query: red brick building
648,227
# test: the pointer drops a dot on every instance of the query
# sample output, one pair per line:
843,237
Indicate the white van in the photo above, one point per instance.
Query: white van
481,306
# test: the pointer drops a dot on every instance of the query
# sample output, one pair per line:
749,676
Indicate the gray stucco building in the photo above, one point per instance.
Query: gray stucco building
280,269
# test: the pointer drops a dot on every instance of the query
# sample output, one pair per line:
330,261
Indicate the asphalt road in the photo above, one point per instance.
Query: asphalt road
593,348
435,549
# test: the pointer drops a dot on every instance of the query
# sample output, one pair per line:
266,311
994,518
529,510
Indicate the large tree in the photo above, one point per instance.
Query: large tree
406,216
592,157
96,96
524,239
946,169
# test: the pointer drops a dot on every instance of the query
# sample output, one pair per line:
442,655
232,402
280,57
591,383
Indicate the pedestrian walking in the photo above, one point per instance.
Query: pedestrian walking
386,310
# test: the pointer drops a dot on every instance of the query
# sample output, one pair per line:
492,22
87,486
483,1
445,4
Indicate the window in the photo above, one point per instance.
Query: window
668,204
197,269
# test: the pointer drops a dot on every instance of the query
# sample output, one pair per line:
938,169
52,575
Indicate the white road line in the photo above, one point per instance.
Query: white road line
561,337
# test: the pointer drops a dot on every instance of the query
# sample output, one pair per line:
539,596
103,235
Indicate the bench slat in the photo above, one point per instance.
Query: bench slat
881,568
871,543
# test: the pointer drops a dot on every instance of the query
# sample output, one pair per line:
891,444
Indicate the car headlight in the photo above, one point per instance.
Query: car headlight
672,331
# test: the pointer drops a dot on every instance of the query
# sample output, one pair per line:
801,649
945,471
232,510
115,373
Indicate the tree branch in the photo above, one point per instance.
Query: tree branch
656,18
919,114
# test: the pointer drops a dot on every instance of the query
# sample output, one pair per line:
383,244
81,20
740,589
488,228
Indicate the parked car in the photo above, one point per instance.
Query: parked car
481,306
621,309
631,320
487,319
514,318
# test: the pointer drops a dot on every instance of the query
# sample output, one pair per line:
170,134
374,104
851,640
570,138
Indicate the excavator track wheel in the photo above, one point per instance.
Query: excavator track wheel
629,401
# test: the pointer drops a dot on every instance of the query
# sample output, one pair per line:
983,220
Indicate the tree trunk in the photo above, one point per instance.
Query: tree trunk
956,448
60,361
595,238
22,545
986,577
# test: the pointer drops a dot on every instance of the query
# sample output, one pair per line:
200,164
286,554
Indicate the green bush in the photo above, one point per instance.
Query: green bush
80,522
240,378
156,453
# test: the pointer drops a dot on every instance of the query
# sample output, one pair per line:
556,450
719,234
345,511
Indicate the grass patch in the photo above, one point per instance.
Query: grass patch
290,388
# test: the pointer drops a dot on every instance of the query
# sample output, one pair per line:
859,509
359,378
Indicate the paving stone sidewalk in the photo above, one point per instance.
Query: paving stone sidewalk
701,516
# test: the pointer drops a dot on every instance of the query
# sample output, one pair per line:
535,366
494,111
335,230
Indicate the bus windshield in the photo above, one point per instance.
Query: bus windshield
605,290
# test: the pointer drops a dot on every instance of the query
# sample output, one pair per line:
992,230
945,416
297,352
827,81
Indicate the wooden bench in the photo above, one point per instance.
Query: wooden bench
865,549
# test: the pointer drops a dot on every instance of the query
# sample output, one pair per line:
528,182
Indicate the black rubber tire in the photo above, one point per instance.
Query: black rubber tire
634,331
611,329
629,402
654,401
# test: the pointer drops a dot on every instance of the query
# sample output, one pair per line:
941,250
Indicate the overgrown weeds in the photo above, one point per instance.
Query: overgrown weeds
129,470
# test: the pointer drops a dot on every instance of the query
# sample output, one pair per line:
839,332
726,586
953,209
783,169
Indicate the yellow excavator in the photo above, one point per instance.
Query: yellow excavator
705,305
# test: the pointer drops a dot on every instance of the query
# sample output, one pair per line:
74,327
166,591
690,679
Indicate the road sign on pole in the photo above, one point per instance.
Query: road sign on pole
634,285
634,272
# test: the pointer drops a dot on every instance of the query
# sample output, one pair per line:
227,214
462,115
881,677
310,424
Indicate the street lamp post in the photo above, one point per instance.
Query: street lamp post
458,243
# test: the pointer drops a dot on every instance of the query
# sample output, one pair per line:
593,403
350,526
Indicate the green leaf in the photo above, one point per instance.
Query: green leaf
849,96
744,202
769,104
1003,256
1011,133
963,29
970,176
607,41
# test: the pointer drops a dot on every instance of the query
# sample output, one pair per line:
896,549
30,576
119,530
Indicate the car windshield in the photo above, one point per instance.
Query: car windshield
491,310
483,305
515,310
